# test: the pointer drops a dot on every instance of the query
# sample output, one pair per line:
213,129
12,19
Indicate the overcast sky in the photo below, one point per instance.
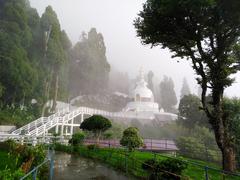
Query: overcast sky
114,19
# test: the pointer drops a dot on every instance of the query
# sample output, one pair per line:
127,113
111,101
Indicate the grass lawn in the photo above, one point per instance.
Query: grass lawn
132,162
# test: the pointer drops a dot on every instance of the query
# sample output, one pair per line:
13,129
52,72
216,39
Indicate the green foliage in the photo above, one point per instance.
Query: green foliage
174,166
165,169
190,113
17,73
19,159
89,69
167,94
199,144
131,139
232,113
92,147
8,174
207,33
25,60
18,117
185,89
77,139
115,132
97,124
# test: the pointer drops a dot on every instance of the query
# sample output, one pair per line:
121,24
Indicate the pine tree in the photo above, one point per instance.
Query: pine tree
167,94
185,89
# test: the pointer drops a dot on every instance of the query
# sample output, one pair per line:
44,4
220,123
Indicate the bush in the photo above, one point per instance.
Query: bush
77,139
64,148
92,147
150,165
192,148
131,139
174,166
169,169
26,157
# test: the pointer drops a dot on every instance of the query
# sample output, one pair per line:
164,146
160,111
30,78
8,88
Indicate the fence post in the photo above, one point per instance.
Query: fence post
126,162
155,156
35,174
206,172
51,170
151,144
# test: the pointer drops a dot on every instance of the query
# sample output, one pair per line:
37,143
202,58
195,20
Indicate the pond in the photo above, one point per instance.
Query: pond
73,167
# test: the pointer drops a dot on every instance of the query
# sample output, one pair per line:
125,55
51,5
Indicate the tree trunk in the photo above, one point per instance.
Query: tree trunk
229,158
55,92
220,126
97,137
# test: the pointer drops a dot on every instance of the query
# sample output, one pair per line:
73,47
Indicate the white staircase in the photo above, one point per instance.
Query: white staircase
63,118
41,125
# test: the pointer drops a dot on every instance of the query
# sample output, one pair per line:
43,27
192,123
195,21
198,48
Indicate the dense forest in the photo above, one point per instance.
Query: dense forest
38,62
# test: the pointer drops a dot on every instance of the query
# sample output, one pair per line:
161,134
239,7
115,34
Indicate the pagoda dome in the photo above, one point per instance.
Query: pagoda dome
142,92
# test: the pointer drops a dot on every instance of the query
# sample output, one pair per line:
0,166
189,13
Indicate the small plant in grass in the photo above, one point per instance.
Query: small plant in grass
77,139
170,169
131,139
174,166
92,147
151,166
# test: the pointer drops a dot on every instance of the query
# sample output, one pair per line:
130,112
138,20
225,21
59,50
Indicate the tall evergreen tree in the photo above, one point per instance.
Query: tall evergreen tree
167,94
54,54
89,69
185,89
17,75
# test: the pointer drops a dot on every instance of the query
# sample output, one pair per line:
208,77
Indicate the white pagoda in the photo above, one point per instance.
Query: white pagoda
143,98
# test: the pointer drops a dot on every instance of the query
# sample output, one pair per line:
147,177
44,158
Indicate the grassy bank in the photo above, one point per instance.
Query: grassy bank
131,163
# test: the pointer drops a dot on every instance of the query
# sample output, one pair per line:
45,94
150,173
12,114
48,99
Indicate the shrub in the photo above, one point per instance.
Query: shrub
26,157
164,169
191,147
174,166
92,147
131,139
150,165
77,139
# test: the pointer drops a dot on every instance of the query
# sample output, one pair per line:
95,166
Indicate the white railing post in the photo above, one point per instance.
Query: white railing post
82,116
62,128
44,130
28,128
71,131
56,129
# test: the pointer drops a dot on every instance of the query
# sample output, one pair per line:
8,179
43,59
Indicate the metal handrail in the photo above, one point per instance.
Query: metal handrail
35,169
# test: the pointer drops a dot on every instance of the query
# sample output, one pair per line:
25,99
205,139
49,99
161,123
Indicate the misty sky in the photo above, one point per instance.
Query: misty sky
114,19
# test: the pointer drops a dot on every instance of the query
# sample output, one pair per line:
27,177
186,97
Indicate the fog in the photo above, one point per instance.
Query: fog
114,19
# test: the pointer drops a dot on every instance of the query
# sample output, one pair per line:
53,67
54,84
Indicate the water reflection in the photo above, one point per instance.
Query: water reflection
72,167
